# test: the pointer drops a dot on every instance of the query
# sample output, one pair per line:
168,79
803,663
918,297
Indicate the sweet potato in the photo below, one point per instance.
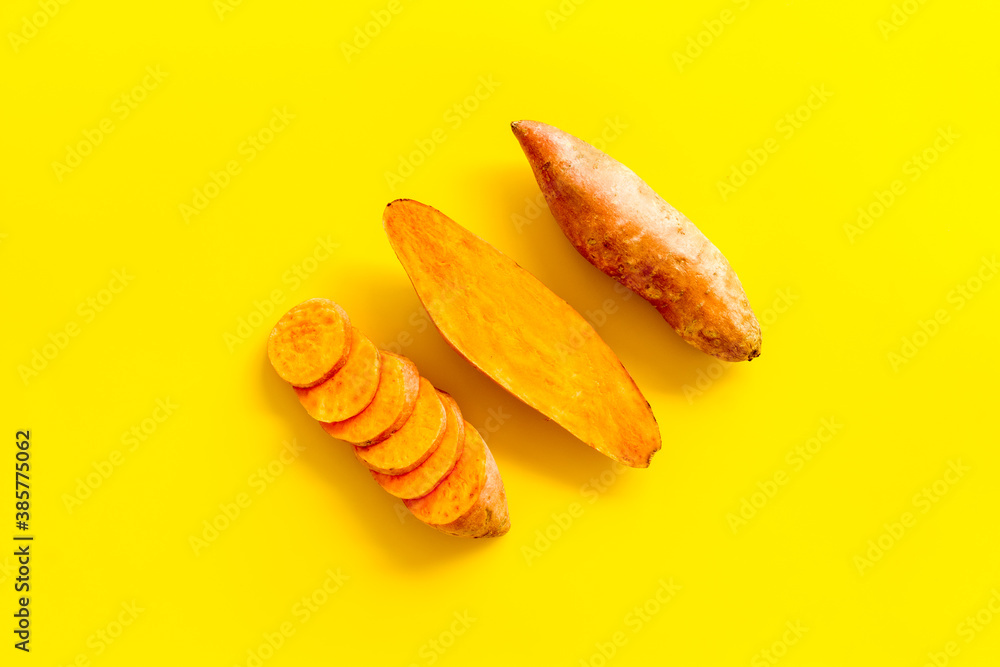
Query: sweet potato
422,480
310,342
415,440
488,516
615,220
520,334
408,427
470,501
348,391
395,398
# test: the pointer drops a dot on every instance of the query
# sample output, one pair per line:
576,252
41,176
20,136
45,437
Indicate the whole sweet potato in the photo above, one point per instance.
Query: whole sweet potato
630,233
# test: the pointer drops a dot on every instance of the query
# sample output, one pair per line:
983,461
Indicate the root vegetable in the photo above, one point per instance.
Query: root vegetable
394,400
427,475
516,331
310,343
412,436
467,501
615,220
415,440
350,389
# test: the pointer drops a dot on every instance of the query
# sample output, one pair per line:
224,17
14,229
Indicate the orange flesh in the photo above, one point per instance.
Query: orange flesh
310,342
422,479
458,492
348,391
395,398
415,440
516,331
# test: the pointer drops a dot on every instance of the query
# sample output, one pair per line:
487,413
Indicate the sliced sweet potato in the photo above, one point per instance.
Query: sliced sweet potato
470,501
459,491
421,480
488,517
310,342
515,330
348,391
615,220
415,440
395,398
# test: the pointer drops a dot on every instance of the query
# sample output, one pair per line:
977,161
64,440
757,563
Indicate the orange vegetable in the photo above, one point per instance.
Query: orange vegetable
423,479
515,330
630,233
310,343
458,505
395,398
411,435
348,391
415,440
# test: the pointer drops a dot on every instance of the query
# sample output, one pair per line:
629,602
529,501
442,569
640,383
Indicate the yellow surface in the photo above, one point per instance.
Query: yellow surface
279,140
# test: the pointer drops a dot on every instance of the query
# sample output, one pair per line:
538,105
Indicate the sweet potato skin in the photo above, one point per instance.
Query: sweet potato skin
520,334
616,221
488,517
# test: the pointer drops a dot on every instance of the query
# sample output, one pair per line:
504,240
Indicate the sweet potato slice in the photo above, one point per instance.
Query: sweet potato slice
488,516
630,233
310,342
515,330
395,398
348,391
421,480
460,490
415,440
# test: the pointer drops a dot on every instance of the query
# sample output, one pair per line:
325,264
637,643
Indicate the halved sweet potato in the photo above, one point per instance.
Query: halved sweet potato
415,440
395,397
310,342
348,391
421,480
514,329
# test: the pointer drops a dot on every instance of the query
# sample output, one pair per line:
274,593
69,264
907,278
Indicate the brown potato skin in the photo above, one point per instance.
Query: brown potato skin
615,220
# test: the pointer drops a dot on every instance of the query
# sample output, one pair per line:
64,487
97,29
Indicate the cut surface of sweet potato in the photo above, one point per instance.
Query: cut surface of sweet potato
349,390
421,480
520,334
310,342
415,440
394,400
488,516
459,491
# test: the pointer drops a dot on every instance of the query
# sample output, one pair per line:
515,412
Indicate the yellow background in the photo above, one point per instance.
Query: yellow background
727,430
